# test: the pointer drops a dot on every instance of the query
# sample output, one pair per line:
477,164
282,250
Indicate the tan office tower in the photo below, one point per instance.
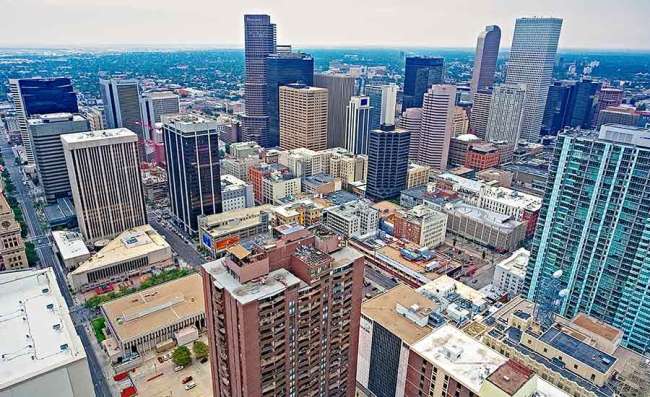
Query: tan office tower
340,88
411,120
105,181
485,60
480,112
303,117
437,126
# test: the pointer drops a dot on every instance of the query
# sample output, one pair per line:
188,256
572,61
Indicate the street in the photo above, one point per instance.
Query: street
40,239
185,251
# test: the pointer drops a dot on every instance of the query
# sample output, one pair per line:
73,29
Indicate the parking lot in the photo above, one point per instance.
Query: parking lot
154,379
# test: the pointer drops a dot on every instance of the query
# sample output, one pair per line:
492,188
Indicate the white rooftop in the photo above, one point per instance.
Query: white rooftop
100,137
189,122
517,262
70,244
467,360
38,335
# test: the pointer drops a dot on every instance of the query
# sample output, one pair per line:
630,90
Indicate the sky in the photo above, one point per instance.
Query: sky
606,24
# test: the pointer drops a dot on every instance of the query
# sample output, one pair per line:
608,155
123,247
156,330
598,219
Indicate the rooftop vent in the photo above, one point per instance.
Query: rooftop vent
45,290
50,306
56,327
64,347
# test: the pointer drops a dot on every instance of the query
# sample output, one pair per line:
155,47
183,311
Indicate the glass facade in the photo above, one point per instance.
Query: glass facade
419,74
581,103
388,156
44,96
384,362
594,225
556,108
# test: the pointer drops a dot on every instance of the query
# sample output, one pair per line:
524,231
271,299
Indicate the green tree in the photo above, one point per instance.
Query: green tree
30,252
181,356
199,349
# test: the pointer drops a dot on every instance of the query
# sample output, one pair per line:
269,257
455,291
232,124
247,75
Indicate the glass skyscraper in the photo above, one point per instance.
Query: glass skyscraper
556,107
581,103
420,73
594,225
388,159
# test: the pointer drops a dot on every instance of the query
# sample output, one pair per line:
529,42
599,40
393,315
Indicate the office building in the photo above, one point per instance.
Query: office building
259,42
420,73
240,150
282,69
12,246
238,167
388,161
422,225
411,120
304,162
417,175
458,148
582,100
279,185
596,236
460,121
348,167
532,56
135,251
46,131
305,212
108,198
436,128
340,89
357,125
121,99
605,98
258,172
275,292
481,156
485,59
383,102
136,323
321,184
42,354
155,104
480,113
354,219
70,248
509,274
303,117
219,232
36,96
623,115
235,193
506,113
557,106
95,117
192,152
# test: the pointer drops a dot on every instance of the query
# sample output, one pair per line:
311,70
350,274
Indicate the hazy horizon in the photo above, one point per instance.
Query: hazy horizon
339,24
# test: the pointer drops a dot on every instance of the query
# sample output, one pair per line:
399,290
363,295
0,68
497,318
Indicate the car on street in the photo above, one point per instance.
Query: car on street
190,386
186,379
178,368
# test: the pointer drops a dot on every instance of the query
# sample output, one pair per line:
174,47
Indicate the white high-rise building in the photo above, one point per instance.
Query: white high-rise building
532,56
357,125
121,99
437,126
104,174
156,104
506,110
388,103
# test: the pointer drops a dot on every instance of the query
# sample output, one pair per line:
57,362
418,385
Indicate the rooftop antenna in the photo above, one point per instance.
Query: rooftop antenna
550,299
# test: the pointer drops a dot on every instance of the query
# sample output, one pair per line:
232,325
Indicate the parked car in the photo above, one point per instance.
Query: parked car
178,368
186,379
190,386
203,360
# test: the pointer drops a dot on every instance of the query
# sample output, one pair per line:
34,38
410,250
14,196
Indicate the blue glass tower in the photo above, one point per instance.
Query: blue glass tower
581,103
44,96
594,225
388,156
420,73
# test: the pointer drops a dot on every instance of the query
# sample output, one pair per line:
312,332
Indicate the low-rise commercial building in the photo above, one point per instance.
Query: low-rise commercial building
277,186
70,247
238,167
304,162
135,251
502,177
12,247
321,184
136,323
458,147
305,212
354,219
482,156
42,354
422,225
154,183
235,193
509,274
417,175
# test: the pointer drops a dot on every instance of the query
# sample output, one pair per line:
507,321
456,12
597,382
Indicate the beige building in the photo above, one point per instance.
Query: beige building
105,180
303,117
134,251
12,247
437,126
277,186
349,167
461,121
305,212
138,322
417,175
70,247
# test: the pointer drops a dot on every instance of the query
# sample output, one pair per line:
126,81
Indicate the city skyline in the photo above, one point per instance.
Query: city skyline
74,23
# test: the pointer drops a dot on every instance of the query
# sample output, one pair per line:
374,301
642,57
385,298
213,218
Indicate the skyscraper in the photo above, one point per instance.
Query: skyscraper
485,60
282,69
383,99
38,96
480,112
340,89
46,131
411,120
506,109
582,100
358,125
154,105
303,117
420,73
388,158
121,98
532,56
259,42
104,174
593,226
283,318
193,174
557,105
436,127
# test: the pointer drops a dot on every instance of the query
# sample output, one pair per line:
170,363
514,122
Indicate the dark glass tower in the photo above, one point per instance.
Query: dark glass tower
420,73
557,103
388,157
283,69
581,103
194,179
44,96
259,42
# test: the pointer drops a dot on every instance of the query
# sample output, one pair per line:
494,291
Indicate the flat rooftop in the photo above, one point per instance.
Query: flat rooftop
189,122
130,244
511,377
38,335
154,308
517,262
273,283
504,222
445,284
464,358
597,327
70,244
99,137
581,351
382,309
